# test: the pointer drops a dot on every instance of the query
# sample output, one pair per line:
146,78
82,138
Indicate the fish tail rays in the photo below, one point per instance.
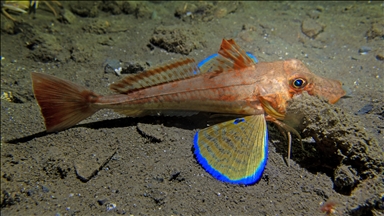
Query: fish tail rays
62,103
234,151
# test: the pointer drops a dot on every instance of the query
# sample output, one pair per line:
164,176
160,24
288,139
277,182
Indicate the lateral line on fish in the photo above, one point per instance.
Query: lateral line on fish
183,92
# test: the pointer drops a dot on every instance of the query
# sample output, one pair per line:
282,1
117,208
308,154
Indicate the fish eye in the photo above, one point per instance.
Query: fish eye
299,83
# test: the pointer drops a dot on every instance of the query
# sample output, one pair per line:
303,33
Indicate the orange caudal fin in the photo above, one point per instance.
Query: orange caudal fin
62,103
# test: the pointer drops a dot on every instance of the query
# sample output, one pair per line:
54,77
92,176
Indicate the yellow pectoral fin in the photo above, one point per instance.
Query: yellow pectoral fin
234,151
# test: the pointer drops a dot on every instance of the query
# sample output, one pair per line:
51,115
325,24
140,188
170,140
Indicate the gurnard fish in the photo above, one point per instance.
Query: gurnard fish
231,82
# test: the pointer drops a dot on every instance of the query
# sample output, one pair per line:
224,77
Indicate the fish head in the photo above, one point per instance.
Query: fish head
300,79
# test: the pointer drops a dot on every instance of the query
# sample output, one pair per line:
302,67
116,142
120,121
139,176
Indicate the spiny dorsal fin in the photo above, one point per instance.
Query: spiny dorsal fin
208,64
234,55
177,70
230,57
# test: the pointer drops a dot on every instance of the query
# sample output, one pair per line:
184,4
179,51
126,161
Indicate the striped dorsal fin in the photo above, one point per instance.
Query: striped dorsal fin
177,70
233,56
230,57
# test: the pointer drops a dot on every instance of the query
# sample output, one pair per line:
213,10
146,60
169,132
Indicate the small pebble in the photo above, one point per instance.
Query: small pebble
380,57
154,15
111,206
364,50
45,189
102,201
366,109
112,66
30,192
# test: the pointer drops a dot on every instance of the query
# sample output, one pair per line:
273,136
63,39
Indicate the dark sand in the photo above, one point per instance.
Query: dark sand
145,166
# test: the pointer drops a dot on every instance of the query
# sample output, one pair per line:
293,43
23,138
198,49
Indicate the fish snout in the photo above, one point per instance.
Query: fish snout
330,89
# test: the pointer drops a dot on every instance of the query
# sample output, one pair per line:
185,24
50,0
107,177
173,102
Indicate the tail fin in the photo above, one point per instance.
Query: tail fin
62,103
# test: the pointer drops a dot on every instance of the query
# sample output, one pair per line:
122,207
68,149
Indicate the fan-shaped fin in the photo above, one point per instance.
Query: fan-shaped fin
234,151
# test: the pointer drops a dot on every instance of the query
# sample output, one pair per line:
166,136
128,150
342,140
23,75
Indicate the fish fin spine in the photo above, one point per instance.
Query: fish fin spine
234,54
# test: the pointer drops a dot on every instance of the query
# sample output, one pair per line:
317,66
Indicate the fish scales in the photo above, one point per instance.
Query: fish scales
199,93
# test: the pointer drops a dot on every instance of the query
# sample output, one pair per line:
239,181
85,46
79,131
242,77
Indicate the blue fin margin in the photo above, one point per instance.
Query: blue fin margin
216,54
249,180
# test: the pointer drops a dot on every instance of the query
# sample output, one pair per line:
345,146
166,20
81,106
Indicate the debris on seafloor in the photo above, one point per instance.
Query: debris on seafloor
91,161
112,66
206,11
364,50
342,147
177,39
365,109
154,132
329,207
311,28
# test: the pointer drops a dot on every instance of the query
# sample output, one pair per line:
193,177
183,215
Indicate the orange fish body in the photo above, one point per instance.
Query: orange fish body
229,83
232,91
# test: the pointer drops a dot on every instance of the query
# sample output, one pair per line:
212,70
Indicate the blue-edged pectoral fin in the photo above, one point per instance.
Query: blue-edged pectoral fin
234,151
